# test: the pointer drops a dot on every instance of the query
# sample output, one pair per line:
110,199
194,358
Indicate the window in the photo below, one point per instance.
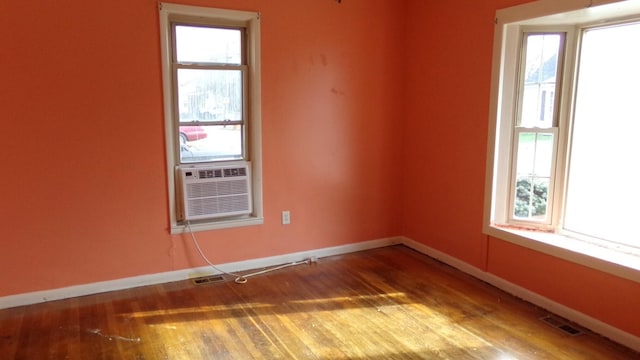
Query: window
209,68
565,127
602,194
211,86
535,133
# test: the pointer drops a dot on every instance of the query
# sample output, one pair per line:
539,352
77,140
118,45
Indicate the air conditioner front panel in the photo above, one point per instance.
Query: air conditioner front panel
217,188
217,206
210,192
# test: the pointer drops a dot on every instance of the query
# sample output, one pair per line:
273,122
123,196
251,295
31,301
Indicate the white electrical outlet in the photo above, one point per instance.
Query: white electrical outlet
286,217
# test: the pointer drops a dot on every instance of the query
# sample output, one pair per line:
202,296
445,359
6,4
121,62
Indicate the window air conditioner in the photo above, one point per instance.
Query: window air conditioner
215,191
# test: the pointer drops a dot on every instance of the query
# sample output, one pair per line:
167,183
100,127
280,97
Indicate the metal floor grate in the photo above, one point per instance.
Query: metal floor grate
207,280
562,325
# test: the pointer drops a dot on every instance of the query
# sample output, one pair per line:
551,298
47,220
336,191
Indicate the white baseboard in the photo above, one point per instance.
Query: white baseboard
159,278
568,313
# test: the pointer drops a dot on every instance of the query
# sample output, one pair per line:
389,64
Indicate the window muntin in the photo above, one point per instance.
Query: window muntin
210,97
602,197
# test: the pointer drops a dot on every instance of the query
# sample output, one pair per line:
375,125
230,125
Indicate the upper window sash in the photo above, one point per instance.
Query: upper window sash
540,78
210,62
228,33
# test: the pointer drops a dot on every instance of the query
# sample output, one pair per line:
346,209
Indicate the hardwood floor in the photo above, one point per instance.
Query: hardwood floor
388,303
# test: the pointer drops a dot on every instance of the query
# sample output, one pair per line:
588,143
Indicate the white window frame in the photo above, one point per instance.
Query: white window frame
250,21
544,16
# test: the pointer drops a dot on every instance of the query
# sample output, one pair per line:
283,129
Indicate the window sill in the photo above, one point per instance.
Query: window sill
601,257
217,224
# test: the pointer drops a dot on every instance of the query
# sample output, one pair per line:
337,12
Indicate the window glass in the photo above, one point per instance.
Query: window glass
201,143
205,95
602,197
208,45
533,175
540,77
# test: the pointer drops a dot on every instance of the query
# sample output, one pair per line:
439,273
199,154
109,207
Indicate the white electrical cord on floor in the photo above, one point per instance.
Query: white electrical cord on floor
241,279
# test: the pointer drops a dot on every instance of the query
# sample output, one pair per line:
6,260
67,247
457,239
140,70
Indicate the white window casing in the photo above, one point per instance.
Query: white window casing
250,21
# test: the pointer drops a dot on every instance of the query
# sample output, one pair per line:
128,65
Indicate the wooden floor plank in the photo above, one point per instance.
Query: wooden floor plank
388,303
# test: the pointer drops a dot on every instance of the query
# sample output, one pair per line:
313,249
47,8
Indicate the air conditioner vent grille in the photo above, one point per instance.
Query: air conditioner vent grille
215,191
215,206
212,189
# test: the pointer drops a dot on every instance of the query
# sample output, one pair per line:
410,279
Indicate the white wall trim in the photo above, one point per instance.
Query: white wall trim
566,312
178,275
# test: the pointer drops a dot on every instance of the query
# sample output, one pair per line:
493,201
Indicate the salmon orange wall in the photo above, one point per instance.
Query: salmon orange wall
83,192
598,294
448,83
374,125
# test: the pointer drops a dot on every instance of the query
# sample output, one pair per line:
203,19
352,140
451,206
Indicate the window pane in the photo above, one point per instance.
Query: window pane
603,196
205,95
540,76
544,155
533,175
208,45
210,143
531,198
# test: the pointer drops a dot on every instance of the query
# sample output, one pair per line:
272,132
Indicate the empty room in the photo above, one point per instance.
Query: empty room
320,179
